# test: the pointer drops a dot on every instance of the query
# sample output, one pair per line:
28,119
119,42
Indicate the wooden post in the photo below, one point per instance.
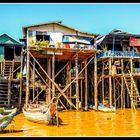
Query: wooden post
103,84
69,82
21,76
27,77
53,75
114,89
77,83
119,96
33,79
81,87
131,72
49,82
95,84
110,82
86,87
122,92
9,91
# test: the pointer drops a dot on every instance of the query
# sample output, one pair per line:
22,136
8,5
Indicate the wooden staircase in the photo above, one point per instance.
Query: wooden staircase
132,90
8,68
4,92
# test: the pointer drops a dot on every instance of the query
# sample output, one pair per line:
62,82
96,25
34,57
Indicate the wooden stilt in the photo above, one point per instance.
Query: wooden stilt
86,87
110,82
49,74
95,83
21,77
53,74
103,83
119,103
33,78
77,83
114,89
27,78
70,89
131,71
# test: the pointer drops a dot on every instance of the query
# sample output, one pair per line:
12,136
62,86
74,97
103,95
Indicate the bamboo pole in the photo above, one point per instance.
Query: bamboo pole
77,83
21,77
53,74
27,77
131,72
67,79
86,87
122,92
95,84
49,82
81,85
119,96
110,82
103,84
70,88
33,79
114,89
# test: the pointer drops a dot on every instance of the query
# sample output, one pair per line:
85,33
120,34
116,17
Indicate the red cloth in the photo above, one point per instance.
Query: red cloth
67,46
52,109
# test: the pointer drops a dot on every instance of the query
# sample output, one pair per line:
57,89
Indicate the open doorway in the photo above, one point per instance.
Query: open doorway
9,53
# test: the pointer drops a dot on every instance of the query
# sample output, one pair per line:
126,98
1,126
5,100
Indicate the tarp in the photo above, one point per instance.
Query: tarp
76,39
56,37
134,41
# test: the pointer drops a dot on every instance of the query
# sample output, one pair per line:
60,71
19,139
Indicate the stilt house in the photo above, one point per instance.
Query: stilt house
118,66
10,70
59,64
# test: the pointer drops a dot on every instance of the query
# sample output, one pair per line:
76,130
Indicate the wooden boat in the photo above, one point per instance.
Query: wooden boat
103,108
5,120
41,114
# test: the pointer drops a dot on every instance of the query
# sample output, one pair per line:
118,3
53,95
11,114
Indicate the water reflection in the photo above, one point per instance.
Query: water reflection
92,123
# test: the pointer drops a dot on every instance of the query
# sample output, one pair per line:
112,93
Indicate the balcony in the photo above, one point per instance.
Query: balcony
118,54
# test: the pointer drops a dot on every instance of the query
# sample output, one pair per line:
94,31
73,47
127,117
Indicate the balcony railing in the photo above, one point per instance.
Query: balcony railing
118,54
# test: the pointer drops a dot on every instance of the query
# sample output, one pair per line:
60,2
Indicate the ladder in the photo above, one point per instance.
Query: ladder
8,68
5,93
132,91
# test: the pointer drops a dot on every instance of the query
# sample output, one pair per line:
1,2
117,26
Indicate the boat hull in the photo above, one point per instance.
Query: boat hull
37,117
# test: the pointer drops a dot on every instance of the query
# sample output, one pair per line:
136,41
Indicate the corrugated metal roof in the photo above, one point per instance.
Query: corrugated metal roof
6,39
118,34
58,23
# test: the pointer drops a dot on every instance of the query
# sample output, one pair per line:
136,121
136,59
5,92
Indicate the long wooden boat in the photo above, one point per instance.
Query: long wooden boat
103,108
5,120
41,114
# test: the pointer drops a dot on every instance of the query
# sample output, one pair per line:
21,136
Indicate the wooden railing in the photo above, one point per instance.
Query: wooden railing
119,54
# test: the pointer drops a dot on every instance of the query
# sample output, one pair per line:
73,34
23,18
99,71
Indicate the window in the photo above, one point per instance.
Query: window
40,36
30,33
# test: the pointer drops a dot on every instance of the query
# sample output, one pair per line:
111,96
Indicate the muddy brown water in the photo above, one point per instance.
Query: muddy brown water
80,123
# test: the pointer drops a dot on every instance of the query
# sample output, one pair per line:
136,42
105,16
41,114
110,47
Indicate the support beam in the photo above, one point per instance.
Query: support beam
86,86
53,75
103,83
49,82
27,77
33,78
21,77
95,84
110,81
114,89
131,72
77,83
